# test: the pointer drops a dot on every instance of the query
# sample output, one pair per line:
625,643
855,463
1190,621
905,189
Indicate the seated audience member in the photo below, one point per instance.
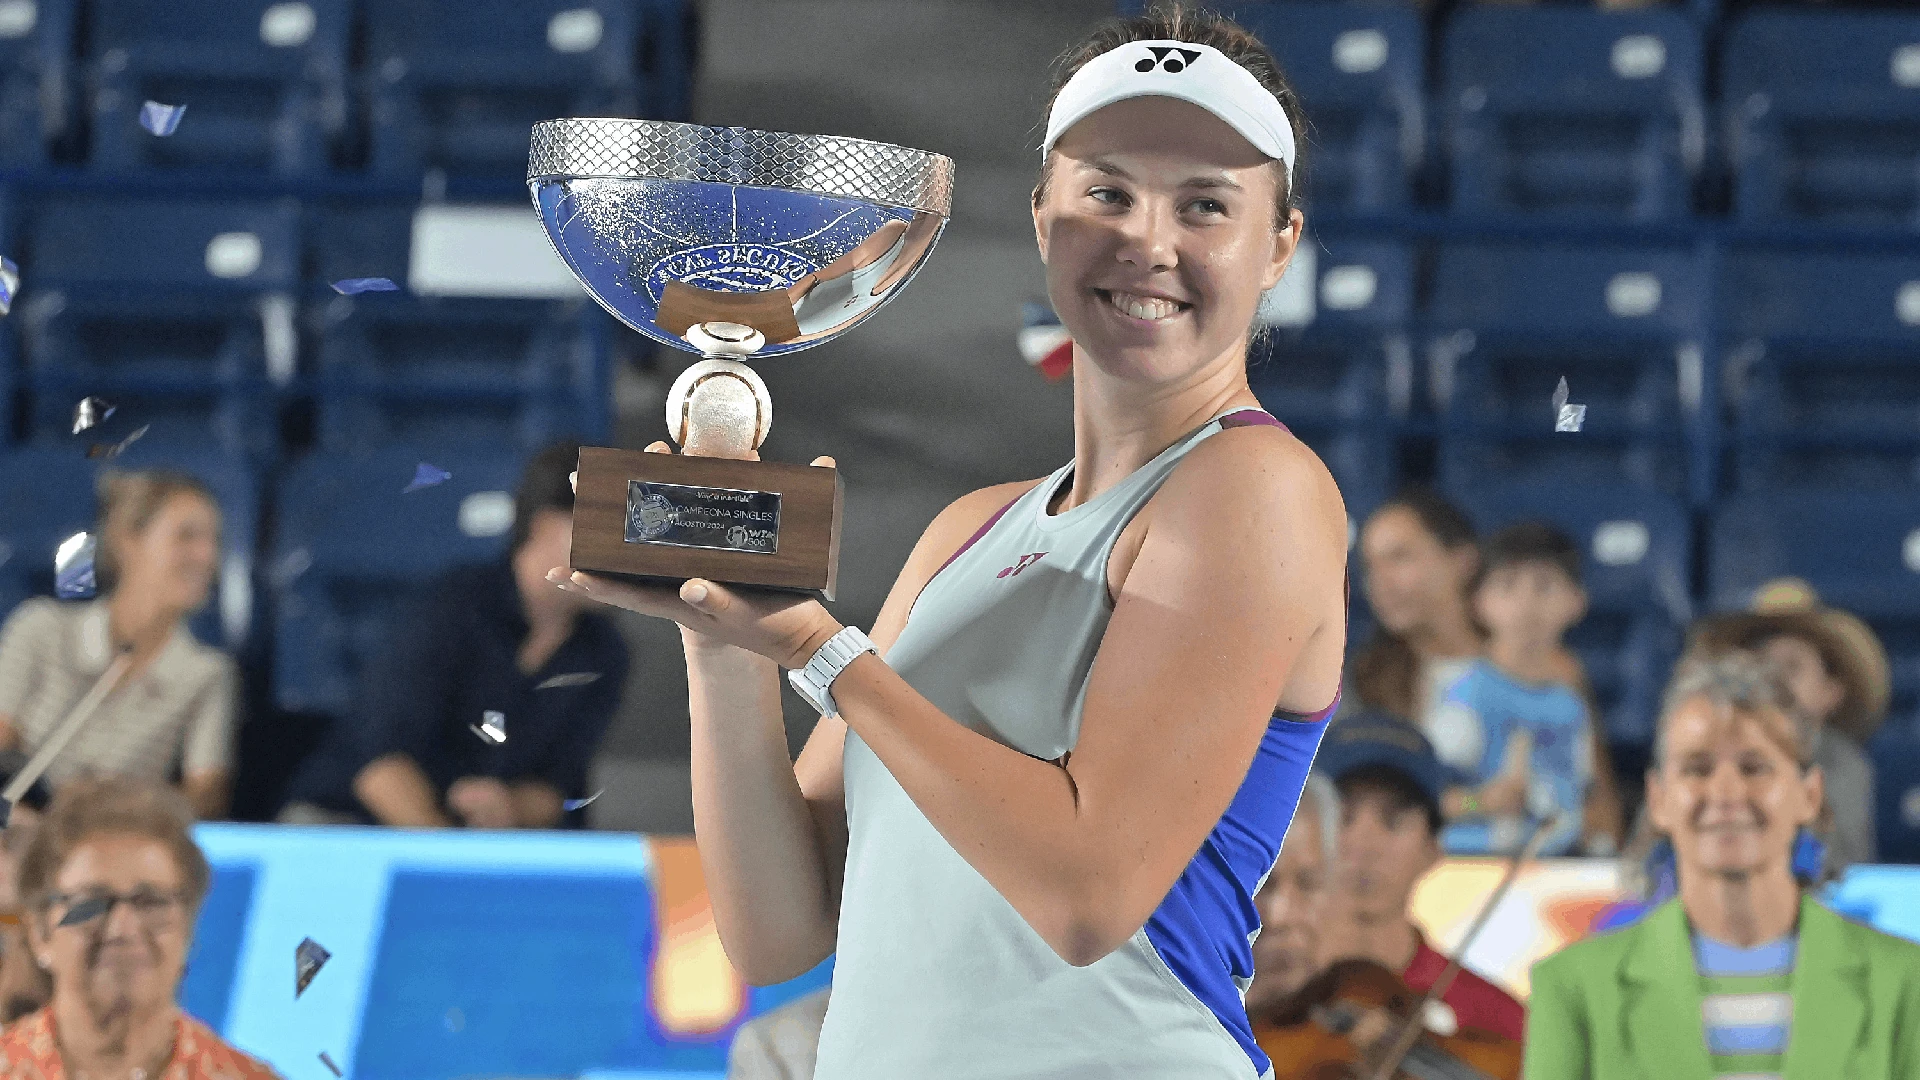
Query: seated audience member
1390,786
484,639
1742,973
1287,952
1516,727
1418,554
781,1044
1836,678
112,883
158,551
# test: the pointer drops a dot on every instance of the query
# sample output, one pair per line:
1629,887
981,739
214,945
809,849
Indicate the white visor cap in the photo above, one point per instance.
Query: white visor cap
1200,74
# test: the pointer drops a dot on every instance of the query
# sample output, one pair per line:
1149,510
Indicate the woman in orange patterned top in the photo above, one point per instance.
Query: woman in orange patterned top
111,884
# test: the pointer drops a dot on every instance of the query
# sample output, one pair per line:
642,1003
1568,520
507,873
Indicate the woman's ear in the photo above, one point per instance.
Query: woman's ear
1656,803
1814,785
1285,240
1039,228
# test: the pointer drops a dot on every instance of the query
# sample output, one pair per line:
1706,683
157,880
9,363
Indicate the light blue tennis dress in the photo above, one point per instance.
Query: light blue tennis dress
936,976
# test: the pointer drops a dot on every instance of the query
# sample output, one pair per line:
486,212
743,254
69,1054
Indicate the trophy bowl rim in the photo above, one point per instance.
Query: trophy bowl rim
663,150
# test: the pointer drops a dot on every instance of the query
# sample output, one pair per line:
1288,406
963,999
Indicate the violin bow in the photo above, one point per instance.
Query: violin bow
1416,1023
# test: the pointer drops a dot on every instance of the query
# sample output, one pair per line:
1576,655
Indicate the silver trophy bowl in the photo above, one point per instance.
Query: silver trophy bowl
734,243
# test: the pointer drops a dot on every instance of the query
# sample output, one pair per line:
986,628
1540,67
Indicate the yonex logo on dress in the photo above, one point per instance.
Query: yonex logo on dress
1172,65
1025,561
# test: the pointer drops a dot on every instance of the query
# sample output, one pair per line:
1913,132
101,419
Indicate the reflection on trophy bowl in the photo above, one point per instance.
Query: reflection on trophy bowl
734,244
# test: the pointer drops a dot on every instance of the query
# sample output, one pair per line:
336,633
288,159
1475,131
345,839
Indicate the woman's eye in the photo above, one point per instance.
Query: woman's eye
1208,206
1106,195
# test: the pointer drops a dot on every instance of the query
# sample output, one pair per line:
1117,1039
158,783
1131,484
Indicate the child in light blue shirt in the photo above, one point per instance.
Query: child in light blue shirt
1513,728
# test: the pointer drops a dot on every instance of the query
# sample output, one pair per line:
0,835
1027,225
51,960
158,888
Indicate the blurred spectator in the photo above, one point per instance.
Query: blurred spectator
1390,786
1287,952
781,1044
112,883
1418,554
159,547
23,986
1776,985
1836,678
490,638
1515,727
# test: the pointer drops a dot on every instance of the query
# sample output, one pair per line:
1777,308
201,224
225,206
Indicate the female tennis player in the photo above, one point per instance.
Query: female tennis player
1040,801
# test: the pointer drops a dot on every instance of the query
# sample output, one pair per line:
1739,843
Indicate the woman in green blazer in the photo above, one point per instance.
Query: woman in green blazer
1740,975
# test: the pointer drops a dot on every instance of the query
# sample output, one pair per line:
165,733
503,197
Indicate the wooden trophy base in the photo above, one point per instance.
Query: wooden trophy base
666,517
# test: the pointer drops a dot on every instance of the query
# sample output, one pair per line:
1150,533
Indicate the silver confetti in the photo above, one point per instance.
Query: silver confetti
161,120
73,567
571,678
90,412
308,958
85,911
109,451
9,283
328,1062
1566,417
492,727
576,804
354,286
425,476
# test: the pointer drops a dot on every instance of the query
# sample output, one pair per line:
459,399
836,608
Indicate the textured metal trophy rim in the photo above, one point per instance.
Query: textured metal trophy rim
829,165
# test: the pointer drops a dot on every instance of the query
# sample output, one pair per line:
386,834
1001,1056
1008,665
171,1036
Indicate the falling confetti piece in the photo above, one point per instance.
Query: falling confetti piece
308,958
576,804
9,283
425,476
90,412
161,120
353,286
1566,417
86,911
571,678
328,1062
73,567
492,727
109,451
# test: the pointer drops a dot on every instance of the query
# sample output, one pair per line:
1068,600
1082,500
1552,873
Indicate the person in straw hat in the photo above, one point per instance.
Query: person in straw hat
1836,676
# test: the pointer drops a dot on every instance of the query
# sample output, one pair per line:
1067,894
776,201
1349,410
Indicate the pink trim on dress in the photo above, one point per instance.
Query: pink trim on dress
980,532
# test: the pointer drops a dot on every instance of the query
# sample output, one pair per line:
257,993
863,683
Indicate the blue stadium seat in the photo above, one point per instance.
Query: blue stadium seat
393,367
669,46
350,547
179,311
1571,111
264,82
1823,116
1636,566
1341,381
36,94
456,84
1621,324
1859,549
49,495
1360,70
1895,752
1820,360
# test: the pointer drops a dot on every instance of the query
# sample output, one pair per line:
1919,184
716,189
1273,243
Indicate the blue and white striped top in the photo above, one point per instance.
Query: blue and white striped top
1747,1009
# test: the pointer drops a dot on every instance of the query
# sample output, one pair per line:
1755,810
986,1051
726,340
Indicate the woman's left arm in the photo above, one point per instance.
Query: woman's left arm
1241,566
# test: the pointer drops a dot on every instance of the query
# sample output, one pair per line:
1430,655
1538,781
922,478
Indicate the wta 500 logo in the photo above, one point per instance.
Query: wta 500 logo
729,268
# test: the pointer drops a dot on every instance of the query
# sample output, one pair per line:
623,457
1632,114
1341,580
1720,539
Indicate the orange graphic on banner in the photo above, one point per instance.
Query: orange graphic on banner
696,991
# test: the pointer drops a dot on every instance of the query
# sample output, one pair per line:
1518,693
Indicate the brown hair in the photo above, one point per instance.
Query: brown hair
545,485
128,502
92,806
1385,669
1174,21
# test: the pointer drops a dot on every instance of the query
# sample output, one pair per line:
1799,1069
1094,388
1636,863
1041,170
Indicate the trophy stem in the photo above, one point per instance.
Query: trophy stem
719,407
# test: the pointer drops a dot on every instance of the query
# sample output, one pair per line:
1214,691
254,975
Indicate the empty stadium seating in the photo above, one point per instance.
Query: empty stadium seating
36,106
1561,110
1621,324
265,84
1820,360
1896,789
1822,112
1360,70
350,546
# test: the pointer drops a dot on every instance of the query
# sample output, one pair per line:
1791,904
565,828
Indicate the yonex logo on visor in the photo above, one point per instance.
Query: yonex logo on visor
1172,65
1191,72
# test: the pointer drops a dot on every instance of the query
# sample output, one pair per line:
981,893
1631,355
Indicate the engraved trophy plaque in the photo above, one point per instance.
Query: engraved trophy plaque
736,245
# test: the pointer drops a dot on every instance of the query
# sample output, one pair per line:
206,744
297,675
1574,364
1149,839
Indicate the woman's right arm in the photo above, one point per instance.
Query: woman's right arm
772,832
28,640
1556,1045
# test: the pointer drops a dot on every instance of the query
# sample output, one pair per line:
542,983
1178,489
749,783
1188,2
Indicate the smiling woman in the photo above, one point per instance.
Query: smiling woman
1033,817
1777,986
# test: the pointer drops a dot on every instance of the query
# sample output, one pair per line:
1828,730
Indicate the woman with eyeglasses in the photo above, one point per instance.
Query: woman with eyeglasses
111,883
